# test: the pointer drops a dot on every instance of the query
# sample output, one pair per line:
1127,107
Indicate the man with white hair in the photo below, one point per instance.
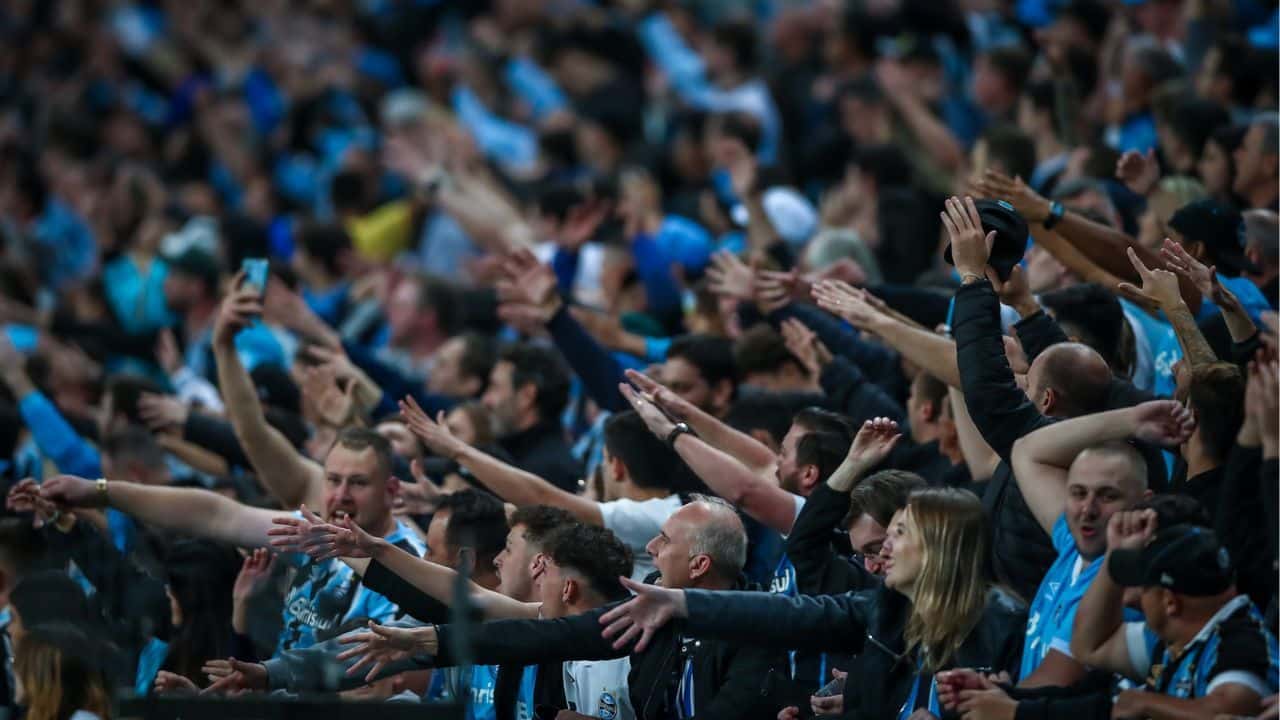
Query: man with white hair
702,545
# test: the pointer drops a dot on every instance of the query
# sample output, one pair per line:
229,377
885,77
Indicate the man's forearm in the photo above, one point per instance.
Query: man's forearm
1099,617
759,497
522,488
1107,248
1058,445
1194,347
934,354
750,452
438,581
286,474
189,510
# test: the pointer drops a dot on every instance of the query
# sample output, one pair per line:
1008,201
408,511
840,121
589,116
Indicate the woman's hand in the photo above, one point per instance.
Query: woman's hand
253,573
168,683
873,443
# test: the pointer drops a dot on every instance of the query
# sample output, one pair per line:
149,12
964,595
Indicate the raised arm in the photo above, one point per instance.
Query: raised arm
1098,637
351,543
748,451
290,477
512,484
1160,287
188,510
757,495
824,622
978,455
1101,245
1042,458
934,354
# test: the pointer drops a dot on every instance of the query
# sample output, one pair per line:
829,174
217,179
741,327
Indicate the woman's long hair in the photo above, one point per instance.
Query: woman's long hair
60,673
951,590
200,577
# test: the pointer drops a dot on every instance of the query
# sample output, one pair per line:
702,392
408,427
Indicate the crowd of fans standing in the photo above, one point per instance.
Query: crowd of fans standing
642,358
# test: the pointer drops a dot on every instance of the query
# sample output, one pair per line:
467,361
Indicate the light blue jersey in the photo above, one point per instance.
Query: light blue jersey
1250,297
326,594
481,688
1053,611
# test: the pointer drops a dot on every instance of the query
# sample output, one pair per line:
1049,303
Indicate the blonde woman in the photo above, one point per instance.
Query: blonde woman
57,678
935,611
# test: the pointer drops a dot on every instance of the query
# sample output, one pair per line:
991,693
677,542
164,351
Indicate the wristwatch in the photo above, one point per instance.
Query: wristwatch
1055,215
679,429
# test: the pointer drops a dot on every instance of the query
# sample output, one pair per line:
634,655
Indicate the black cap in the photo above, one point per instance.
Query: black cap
1186,559
1220,228
198,264
276,388
1011,235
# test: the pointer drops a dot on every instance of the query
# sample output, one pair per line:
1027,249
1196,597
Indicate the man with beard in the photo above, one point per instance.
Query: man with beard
322,595
528,390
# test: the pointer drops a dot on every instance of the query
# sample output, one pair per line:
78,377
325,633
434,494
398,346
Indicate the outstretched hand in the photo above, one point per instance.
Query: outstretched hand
380,645
639,618
435,434
850,303
234,677
1138,171
658,422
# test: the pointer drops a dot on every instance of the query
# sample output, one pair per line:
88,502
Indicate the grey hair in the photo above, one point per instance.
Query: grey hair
723,538
1269,121
1261,228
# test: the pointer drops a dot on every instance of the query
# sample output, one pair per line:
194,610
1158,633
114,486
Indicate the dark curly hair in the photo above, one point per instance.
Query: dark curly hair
596,554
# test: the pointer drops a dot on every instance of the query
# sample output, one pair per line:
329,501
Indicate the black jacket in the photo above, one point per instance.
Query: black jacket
820,570
730,681
870,623
1021,550
1089,699
542,450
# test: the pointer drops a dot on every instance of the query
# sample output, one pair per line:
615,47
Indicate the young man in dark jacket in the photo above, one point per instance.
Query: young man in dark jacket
702,545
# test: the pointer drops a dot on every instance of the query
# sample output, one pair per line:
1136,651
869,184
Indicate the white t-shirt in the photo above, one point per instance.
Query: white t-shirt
636,522
599,688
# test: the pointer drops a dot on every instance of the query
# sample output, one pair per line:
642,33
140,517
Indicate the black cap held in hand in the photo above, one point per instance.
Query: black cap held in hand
1011,235
1186,559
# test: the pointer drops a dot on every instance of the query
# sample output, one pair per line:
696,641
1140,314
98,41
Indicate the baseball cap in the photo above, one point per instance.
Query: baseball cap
1186,559
1011,235
276,388
1221,230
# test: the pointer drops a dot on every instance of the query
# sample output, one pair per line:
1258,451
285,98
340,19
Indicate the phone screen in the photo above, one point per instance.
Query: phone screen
255,274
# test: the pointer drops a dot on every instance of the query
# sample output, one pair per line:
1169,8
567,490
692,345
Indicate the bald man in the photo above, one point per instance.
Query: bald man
1064,380
701,545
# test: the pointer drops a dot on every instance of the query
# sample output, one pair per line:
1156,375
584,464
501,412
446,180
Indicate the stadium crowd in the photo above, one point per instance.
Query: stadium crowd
642,359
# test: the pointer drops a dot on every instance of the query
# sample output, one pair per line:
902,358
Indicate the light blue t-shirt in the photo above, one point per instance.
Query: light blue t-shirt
328,593
1250,297
481,687
1053,611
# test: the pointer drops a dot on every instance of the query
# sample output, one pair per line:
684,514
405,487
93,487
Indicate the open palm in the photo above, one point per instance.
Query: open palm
640,617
